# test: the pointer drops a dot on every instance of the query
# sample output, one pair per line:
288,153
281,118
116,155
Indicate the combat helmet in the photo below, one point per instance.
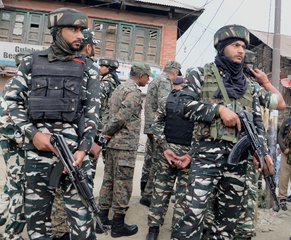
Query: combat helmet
109,63
89,38
67,17
231,31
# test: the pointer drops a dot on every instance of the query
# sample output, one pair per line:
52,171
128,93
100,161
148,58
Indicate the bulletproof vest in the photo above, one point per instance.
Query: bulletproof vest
178,129
55,91
218,131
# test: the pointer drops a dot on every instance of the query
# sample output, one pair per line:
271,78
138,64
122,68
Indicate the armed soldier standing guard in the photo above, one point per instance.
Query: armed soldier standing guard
225,85
55,92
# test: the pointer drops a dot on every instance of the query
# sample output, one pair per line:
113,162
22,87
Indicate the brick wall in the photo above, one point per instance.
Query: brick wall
168,26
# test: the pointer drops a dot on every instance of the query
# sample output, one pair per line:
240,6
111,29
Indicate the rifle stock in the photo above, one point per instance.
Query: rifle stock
259,150
77,176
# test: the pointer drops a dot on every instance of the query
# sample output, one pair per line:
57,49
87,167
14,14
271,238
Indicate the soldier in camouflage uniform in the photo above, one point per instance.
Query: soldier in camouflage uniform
169,140
122,128
224,85
40,105
270,98
10,143
60,227
284,140
158,88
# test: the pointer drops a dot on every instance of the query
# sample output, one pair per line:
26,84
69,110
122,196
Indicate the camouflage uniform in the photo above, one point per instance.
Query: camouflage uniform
209,172
158,88
167,175
123,127
10,141
39,164
246,224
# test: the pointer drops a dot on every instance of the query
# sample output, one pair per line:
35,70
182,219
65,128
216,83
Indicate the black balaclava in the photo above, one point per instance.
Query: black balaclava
233,77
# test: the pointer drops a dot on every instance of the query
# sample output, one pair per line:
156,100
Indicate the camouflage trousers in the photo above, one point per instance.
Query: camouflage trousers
117,182
148,168
39,197
59,216
246,223
211,175
14,187
164,181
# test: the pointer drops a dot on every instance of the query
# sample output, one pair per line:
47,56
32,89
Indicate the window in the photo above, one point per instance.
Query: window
24,27
128,42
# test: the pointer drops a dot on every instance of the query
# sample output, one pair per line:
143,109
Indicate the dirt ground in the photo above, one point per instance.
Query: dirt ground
270,225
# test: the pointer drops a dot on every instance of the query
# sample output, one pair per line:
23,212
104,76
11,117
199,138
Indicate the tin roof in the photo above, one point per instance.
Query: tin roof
171,3
267,38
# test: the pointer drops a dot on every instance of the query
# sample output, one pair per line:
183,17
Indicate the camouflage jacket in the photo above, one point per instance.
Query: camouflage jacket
203,112
266,98
204,133
124,117
107,86
158,88
284,135
17,95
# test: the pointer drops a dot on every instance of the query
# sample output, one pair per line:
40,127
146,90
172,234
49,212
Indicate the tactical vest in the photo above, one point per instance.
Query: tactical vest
177,129
55,91
217,130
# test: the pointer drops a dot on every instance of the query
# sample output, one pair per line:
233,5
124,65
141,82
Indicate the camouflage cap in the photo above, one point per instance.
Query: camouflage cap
141,68
231,31
173,65
65,17
250,57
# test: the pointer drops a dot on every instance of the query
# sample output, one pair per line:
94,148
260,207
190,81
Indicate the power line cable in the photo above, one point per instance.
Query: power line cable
192,26
224,24
217,10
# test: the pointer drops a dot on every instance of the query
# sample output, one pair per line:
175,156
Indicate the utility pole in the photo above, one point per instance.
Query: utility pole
276,82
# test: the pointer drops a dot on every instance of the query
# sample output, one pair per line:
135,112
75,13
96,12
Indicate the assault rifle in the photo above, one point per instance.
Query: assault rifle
251,139
76,175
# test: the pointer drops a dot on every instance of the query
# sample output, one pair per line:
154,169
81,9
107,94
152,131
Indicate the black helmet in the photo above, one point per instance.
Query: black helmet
114,64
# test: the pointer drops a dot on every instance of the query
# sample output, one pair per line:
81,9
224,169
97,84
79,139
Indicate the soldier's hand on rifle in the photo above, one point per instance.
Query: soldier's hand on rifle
95,151
79,156
286,151
268,167
229,118
42,142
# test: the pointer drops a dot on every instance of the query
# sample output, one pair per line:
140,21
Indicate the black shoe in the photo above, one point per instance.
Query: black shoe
120,229
103,215
289,200
283,204
153,233
145,202
66,236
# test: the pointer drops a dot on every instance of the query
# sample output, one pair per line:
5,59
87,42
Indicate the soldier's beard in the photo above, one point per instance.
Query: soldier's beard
72,48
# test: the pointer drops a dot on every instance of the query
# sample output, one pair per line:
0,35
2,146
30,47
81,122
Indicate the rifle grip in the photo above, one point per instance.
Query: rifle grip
56,175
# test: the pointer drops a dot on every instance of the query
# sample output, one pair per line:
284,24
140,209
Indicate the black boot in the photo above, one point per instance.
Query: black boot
153,233
103,215
142,186
120,229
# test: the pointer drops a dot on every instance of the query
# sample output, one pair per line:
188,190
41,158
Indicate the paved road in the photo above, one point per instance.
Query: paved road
270,226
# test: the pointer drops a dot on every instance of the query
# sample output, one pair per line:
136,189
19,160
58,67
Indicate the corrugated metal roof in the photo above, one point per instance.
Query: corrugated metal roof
170,3
267,38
